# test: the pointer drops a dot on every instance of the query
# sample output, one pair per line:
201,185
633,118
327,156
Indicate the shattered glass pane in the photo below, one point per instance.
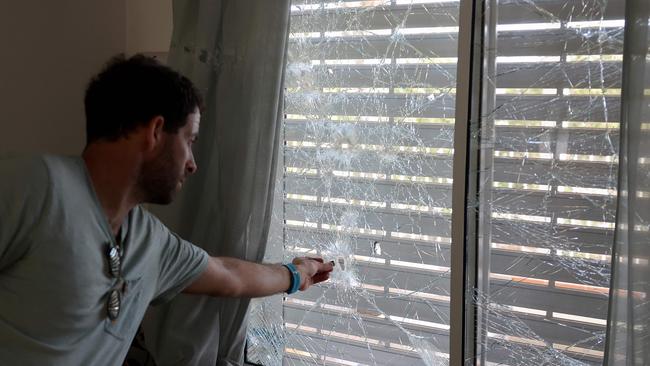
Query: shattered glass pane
368,138
549,138
366,181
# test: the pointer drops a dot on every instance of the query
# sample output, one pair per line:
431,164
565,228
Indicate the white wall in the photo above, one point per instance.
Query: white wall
148,26
49,51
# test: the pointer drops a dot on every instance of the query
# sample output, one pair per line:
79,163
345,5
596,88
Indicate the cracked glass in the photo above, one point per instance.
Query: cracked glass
365,180
549,139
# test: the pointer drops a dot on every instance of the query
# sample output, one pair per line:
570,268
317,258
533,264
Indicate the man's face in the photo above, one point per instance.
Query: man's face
164,176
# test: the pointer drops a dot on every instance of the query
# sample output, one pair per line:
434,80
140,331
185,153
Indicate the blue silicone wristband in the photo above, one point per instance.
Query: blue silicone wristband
295,278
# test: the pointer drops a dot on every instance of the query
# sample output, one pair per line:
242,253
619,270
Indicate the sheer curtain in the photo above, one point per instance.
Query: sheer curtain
628,341
235,53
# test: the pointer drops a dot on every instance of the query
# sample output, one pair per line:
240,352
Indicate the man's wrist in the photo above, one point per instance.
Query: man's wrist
294,283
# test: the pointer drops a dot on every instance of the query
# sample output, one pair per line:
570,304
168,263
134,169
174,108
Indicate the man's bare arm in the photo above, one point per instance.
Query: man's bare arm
231,277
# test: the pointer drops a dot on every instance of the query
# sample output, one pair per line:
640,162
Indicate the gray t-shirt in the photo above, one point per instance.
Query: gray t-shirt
54,277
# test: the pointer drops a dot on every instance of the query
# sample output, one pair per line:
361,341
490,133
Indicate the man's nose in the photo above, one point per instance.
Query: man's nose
191,166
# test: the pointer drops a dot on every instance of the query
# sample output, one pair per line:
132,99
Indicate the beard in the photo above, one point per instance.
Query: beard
159,178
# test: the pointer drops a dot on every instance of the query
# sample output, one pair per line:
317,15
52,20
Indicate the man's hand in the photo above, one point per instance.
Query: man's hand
312,271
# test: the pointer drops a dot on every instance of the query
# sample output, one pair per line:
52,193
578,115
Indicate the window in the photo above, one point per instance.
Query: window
548,175
366,180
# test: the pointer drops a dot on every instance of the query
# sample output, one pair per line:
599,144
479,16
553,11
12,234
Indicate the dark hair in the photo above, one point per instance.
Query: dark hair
130,92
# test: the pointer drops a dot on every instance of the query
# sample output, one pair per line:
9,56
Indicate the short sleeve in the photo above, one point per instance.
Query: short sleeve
181,263
24,191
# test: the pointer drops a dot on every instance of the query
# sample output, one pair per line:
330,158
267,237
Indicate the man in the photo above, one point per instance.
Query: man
80,260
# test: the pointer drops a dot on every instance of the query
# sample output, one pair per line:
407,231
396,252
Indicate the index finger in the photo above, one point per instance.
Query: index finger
326,267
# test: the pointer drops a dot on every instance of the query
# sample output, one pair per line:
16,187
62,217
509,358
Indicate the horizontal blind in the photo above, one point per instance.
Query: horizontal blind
368,155
554,173
370,96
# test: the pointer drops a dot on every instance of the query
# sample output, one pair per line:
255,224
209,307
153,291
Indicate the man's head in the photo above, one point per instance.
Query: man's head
143,105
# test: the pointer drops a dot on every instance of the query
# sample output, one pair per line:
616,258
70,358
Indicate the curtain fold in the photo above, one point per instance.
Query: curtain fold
628,326
234,51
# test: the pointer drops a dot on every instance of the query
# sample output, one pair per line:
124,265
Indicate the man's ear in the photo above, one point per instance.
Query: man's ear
154,132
